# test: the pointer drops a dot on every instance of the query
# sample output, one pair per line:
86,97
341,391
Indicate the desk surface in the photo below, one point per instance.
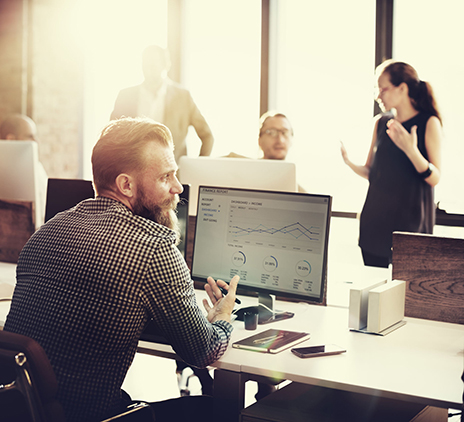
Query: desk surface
421,361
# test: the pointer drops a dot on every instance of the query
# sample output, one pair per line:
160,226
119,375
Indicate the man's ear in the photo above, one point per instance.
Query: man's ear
125,185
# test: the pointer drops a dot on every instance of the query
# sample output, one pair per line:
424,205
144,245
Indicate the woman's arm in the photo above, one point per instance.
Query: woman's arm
407,142
362,170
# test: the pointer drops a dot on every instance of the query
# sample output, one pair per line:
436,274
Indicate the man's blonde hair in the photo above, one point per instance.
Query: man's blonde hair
121,146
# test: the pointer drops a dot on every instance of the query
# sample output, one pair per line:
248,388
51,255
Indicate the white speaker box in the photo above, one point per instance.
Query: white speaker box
358,306
386,305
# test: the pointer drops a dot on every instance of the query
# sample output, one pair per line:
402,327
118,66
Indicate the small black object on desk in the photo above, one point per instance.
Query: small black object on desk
265,315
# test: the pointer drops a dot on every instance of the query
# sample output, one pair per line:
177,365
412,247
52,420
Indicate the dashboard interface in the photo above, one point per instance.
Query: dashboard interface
275,241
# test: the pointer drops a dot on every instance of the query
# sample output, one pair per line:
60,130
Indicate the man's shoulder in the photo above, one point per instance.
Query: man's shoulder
131,90
234,155
126,102
118,214
176,88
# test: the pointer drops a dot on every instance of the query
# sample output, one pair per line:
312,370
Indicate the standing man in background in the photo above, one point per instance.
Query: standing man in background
164,101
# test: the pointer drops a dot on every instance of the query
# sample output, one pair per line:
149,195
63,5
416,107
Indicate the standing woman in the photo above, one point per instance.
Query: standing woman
403,164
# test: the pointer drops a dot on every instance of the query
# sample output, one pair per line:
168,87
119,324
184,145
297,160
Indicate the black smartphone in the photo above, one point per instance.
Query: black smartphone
320,350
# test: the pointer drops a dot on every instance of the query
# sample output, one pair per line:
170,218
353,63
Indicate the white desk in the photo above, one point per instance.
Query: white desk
420,362
7,283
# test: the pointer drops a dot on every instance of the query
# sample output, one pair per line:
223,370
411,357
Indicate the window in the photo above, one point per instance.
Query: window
113,35
323,80
431,42
222,71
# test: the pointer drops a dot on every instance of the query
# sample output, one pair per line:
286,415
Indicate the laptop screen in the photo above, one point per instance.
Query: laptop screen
275,175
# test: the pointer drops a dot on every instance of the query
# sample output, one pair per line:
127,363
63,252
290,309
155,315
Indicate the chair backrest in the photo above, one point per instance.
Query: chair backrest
433,269
28,385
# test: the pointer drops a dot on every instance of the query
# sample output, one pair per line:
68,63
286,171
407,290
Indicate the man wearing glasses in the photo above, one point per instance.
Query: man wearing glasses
275,135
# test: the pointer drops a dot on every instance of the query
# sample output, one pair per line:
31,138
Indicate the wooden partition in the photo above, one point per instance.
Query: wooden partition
433,269
16,227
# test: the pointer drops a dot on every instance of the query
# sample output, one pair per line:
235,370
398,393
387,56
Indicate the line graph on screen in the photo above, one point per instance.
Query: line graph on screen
260,225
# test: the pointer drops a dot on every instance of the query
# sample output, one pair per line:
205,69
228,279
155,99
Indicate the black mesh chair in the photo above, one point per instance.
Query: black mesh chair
28,385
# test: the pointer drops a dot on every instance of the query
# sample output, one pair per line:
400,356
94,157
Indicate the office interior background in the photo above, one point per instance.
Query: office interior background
62,62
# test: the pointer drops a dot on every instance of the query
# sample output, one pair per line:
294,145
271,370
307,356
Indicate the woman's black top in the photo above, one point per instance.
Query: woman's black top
398,199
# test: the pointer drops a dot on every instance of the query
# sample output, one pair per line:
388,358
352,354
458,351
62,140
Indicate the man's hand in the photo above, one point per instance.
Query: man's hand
222,305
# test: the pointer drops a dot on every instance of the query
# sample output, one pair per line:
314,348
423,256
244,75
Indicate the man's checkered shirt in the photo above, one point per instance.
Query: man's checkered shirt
87,282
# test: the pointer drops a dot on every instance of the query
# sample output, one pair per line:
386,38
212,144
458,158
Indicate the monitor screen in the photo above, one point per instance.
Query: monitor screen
63,194
182,217
275,241
275,175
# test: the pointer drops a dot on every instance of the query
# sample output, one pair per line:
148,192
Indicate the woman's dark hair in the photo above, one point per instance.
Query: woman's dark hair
420,92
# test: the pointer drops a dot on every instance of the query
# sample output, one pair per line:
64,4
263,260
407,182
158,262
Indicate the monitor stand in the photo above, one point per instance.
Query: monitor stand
267,311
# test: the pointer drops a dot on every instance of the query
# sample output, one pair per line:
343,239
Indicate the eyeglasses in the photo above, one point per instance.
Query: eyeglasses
379,91
275,132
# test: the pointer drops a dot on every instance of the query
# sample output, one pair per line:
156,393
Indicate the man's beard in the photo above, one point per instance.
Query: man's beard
164,213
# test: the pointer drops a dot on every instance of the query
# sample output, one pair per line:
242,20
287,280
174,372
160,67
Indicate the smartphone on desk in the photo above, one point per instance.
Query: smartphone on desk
320,350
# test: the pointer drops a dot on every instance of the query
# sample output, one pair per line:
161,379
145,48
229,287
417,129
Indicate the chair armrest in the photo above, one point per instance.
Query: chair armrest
135,412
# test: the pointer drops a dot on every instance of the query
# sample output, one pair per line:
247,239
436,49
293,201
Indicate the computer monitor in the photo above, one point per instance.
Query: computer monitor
63,194
246,173
277,243
182,217
21,177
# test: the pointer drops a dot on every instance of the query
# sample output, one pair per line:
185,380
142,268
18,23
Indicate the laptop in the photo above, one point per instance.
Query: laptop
247,173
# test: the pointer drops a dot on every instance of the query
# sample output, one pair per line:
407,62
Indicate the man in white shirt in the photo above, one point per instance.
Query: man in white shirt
164,101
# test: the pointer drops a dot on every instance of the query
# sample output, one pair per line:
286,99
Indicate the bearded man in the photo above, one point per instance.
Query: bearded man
90,279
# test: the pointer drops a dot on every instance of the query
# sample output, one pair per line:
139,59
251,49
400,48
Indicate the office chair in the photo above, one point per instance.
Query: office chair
28,385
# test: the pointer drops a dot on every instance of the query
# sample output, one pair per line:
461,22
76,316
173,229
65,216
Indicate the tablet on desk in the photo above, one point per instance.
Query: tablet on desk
271,341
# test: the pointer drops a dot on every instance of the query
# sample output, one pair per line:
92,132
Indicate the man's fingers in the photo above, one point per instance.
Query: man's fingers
206,305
